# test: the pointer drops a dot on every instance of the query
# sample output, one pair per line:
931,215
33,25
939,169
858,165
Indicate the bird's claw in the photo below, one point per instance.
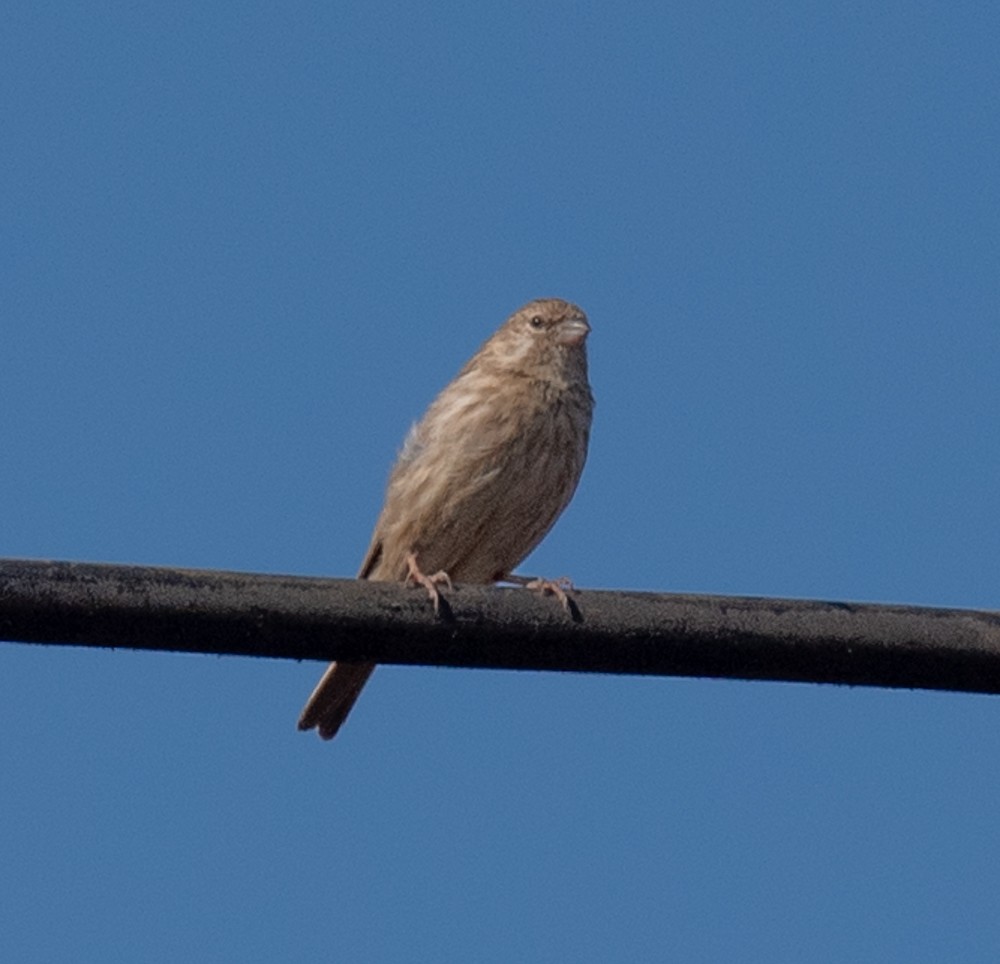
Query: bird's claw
560,588
416,576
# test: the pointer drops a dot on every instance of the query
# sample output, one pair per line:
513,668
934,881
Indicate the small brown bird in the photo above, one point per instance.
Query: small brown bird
482,477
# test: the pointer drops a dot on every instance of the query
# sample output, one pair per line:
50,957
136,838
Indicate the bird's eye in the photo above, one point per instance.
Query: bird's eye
536,322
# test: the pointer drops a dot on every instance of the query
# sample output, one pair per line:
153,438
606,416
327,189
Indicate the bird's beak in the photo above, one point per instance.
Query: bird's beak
573,331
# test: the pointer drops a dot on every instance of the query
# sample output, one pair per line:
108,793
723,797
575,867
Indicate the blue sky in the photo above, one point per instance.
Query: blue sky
243,246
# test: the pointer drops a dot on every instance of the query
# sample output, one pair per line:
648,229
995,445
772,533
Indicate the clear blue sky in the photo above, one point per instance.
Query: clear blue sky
243,246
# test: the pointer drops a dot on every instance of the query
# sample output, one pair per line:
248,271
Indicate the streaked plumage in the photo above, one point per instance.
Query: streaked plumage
485,473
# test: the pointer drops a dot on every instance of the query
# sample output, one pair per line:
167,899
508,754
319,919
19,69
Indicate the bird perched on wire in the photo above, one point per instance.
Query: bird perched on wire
482,477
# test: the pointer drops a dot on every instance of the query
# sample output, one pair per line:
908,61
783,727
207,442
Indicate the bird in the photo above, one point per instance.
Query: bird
481,478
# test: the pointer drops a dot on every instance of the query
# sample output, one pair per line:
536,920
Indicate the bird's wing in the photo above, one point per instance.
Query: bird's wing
372,556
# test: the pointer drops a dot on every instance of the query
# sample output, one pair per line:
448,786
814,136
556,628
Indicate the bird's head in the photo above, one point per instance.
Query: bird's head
547,335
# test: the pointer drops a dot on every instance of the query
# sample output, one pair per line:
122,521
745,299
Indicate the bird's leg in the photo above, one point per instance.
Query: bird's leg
560,588
415,575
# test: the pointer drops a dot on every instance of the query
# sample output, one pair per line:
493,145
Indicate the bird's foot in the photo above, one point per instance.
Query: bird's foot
415,575
560,588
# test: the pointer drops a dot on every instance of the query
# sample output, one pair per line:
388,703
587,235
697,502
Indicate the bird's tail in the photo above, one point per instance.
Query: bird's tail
334,696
